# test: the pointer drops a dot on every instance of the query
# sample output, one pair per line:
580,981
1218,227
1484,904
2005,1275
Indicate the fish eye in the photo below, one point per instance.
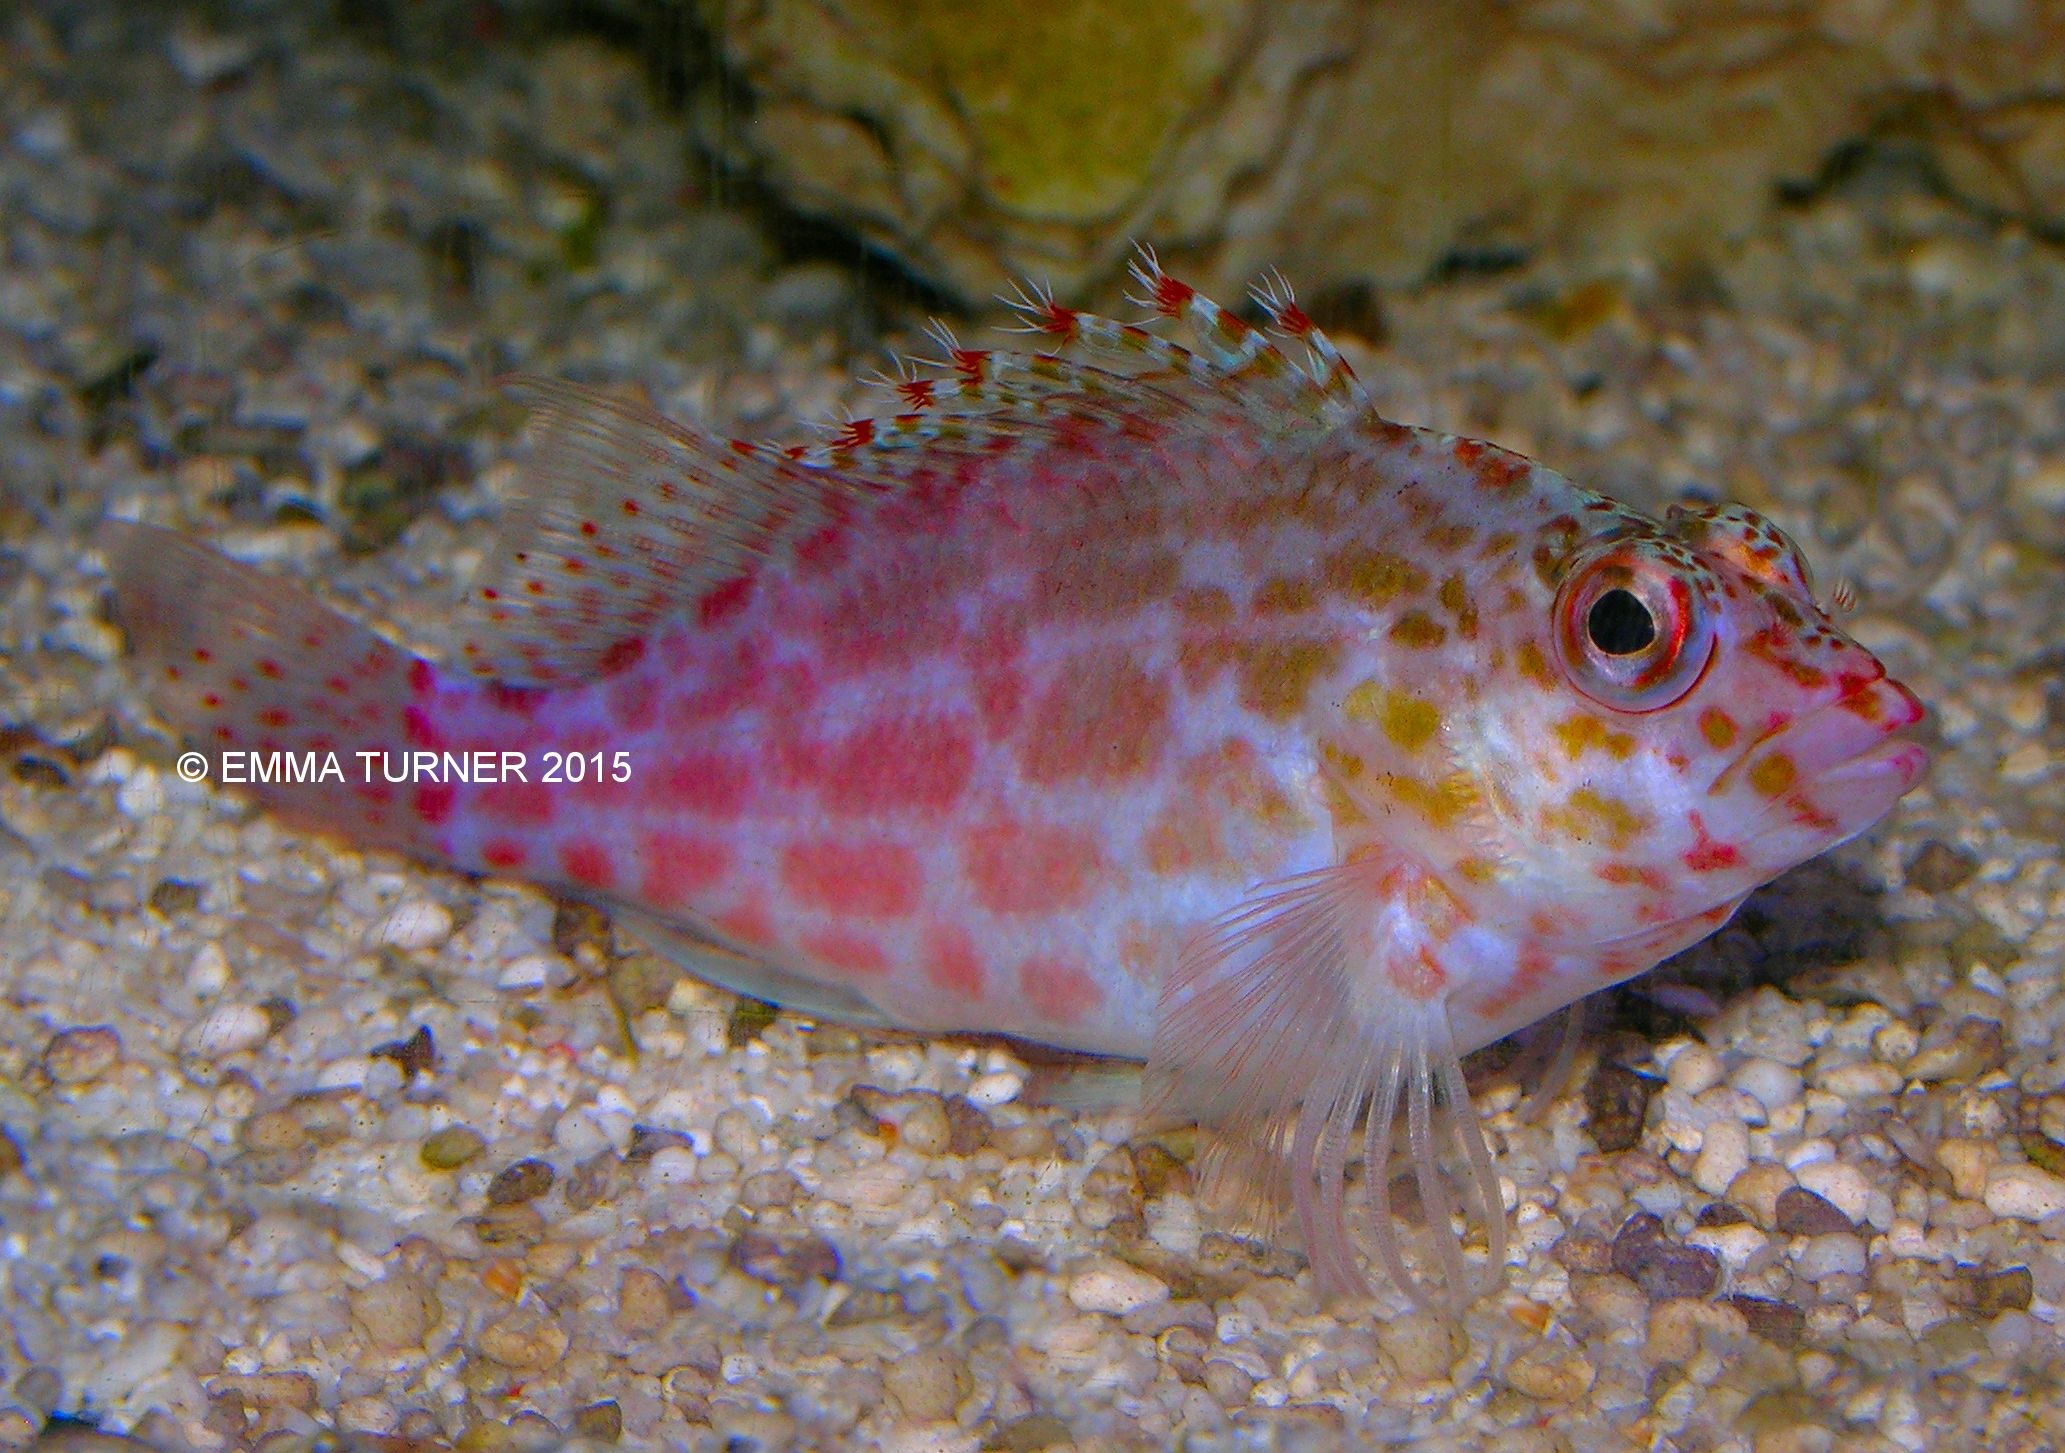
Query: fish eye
1634,623
1619,624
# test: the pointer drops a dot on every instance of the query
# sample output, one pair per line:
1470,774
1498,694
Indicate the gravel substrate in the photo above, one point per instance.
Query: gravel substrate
299,1139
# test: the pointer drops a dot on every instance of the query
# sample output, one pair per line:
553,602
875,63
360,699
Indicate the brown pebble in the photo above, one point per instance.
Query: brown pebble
1617,1105
602,1422
643,1305
925,1383
1031,1434
78,1056
172,898
1939,868
1800,1212
595,1180
1720,1213
968,1128
296,1390
11,1159
769,1190
1779,1323
518,1225
1662,1268
526,1341
271,1131
1989,1293
867,1304
526,1180
784,1261
1588,1255
395,1313
325,1116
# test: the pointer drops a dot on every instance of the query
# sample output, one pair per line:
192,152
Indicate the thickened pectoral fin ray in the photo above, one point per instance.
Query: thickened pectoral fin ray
1300,1031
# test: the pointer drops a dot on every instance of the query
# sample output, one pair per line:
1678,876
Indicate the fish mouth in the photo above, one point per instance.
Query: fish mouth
1844,763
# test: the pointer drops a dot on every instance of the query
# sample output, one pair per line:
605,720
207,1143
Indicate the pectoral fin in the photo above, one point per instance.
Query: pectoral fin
1321,1003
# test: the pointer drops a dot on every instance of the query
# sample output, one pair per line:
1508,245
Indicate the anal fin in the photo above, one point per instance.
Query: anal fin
746,974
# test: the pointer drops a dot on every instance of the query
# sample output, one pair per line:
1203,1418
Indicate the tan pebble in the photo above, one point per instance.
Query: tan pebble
924,1125
229,1029
2024,1193
1968,1162
296,1390
509,1226
1975,1047
1691,1067
369,1414
550,1260
1031,1140
768,1189
601,1422
924,1383
1861,1080
1114,1287
395,1313
643,1302
1421,1345
737,1134
417,924
1551,1374
787,1261
1678,1326
1724,1156
876,1186
272,1131
79,1056
1757,1191
1842,1186
1229,1385
526,1342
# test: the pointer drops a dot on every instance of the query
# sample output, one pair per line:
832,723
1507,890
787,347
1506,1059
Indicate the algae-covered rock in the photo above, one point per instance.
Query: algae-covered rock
1354,141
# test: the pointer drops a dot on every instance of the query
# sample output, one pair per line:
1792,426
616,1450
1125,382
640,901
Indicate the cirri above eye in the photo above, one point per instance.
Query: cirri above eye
1634,624
1750,542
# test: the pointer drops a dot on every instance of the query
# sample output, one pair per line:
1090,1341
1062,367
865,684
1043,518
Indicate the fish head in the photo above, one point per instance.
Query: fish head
1707,726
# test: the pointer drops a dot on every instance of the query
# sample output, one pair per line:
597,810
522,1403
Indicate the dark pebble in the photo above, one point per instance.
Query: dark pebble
417,1055
1617,1102
967,1126
1662,1268
1779,1323
1993,1292
1720,1213
1939,868
648,1141
524,1181
171,897
784,1261
1803,1213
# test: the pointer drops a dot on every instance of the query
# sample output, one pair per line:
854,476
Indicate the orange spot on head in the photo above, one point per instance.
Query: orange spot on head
1418,631
1276,677
1717,727
1773,774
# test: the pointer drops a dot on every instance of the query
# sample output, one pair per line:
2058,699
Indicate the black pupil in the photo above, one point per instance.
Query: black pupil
1619,624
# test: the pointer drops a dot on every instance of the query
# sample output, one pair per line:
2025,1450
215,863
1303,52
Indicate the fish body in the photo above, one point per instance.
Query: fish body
1154,701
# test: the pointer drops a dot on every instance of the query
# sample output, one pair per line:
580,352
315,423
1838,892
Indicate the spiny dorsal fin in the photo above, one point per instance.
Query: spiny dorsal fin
625,519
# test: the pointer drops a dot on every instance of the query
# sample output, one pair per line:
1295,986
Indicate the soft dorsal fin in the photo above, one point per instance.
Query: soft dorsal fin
624,519
1320,1002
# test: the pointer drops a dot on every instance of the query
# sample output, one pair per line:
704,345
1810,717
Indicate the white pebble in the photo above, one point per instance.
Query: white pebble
420,923
1724,1156
229,1029
999,1087
1114,1287
1174,1225
1769,1083
1836,1254
674,1165
1735,1244
532,971
348,1073
142,796
2024,1193
1842,1186
1690,1067
207,972
578,1135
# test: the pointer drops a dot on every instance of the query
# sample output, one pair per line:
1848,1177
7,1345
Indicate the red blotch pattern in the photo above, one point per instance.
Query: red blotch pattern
1020,867
679,867
848,949
1059,989
952,962
915,763
587,862
859,878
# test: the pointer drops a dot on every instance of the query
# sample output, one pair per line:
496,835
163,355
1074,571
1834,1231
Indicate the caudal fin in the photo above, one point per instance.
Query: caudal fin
244,662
